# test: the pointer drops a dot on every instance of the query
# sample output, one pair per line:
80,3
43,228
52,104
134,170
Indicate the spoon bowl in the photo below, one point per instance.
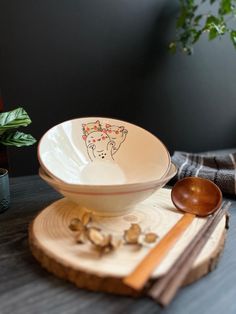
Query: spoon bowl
197,196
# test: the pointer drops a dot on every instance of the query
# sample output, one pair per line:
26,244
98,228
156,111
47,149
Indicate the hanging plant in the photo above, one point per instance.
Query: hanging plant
214,18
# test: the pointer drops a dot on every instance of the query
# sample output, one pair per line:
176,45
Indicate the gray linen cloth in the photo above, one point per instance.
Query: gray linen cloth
219,167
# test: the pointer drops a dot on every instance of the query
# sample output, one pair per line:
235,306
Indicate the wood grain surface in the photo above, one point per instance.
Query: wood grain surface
26,288
53,244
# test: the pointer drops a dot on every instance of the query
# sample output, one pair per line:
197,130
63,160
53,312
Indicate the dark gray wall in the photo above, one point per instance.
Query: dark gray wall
66,59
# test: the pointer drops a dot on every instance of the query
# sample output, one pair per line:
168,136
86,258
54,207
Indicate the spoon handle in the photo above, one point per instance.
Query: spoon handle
145,268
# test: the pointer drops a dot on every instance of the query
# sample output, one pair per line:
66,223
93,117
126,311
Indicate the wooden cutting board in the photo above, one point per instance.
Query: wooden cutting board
53,244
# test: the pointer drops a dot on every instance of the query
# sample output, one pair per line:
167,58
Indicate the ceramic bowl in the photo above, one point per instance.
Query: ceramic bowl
110,201
103,152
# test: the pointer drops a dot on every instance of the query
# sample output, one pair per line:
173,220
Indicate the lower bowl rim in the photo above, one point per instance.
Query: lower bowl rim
105,189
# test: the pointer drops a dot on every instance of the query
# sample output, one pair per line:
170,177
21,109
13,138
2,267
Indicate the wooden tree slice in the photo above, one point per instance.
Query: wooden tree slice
53,244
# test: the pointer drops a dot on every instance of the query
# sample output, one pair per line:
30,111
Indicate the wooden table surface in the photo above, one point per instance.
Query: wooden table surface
27,288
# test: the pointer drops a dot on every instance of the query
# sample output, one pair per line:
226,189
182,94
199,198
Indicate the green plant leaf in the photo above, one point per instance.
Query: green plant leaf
16,138
182,18
197,19
215,26
225,7
213,34
13,119
172,47
233,37
196,36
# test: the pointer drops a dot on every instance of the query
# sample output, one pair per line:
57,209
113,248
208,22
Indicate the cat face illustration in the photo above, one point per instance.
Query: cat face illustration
99,145
91,127
102,143
117,134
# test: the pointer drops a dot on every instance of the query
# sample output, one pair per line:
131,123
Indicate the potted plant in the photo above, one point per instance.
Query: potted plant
10,136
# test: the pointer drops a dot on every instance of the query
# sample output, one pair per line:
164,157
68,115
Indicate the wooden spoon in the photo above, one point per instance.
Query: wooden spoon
192,195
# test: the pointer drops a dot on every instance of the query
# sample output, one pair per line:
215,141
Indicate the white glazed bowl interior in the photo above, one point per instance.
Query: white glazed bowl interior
98,151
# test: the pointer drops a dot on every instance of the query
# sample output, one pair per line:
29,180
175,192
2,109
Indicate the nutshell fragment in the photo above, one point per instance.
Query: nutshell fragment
131,235
98,238
76,225
81,237
136,228
115,242
86,218
105,243
150,237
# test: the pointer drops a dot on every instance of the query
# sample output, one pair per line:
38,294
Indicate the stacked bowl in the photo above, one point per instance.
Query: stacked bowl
104,165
